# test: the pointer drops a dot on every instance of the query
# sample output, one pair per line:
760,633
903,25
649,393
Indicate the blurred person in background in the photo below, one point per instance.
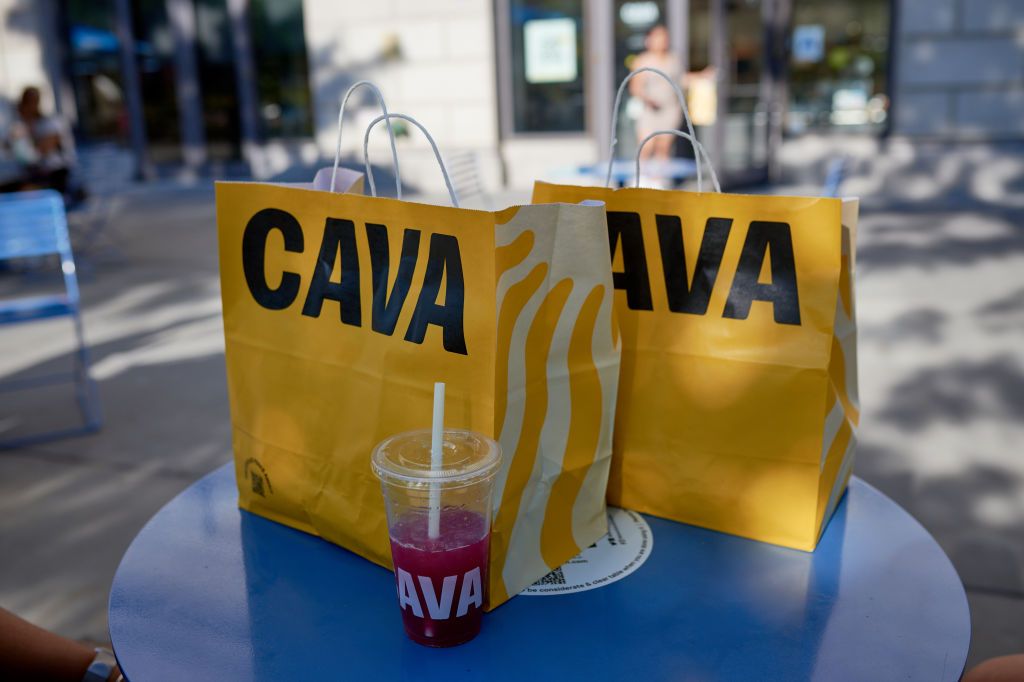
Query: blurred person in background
661,108
40,146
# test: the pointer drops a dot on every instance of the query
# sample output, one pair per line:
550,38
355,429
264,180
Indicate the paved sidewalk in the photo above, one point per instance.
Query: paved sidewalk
941,307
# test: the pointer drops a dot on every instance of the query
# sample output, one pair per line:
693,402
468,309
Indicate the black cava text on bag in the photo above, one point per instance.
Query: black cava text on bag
765,240
444,263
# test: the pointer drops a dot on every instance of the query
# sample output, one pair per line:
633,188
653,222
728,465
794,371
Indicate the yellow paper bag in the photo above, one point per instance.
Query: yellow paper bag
341,311
738,393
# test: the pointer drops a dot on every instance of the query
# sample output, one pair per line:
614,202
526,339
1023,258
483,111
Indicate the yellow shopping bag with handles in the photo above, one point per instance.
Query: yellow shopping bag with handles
342,310
738,392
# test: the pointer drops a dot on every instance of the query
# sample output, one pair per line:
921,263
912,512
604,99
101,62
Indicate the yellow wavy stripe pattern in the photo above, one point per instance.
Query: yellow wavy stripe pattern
512,305
506,215
840,385
843,342
832,465
507,257
615,327
581,444
845,285
844,337
837,374
837,361
538,346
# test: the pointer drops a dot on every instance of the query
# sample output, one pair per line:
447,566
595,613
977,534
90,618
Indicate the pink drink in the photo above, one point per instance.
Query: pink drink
441,581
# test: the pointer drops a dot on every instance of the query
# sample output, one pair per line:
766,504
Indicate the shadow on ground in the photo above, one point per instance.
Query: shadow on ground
941,307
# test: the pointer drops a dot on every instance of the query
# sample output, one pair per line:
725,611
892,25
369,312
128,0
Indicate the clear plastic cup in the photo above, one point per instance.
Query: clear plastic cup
442,580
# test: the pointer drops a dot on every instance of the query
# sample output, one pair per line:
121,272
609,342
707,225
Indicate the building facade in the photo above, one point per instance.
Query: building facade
525,86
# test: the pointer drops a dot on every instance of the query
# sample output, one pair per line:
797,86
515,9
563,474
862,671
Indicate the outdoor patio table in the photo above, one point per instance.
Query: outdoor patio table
208,592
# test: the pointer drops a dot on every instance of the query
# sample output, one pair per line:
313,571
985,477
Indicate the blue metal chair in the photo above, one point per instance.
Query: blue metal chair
33,224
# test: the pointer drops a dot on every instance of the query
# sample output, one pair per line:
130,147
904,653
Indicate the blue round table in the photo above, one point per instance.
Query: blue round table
209,592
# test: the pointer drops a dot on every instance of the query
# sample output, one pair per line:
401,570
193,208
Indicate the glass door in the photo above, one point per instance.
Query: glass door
95,70
633,23
218,86
154,58
838,66
717,51
725,90
745,148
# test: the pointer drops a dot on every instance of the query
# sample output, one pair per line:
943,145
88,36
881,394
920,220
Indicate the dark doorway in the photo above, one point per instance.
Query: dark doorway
215,64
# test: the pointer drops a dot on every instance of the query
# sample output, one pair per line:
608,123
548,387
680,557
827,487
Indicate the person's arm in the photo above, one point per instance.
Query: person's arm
48,134
1002,669
48,144
23,149
28,652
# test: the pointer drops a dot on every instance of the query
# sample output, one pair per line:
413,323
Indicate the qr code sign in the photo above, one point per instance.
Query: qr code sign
555,577
608,560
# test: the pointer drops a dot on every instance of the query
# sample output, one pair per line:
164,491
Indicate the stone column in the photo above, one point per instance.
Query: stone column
245,77
132,89
182,18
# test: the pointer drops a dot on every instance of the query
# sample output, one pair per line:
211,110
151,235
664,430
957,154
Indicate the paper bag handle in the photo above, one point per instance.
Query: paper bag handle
699,154
391,135
430,139
613,140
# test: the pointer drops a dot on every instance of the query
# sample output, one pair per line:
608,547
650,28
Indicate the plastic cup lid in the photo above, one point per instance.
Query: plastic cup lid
404,459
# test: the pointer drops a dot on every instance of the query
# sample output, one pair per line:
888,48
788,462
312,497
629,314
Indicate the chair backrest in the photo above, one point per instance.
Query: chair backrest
33,224
105,169
465,174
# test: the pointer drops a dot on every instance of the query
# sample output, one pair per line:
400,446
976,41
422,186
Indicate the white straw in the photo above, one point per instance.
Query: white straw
436,452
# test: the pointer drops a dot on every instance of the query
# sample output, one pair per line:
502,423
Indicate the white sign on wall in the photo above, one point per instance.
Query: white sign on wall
549,46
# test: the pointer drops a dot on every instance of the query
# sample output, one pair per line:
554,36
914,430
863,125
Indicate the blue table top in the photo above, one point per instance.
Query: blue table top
209,592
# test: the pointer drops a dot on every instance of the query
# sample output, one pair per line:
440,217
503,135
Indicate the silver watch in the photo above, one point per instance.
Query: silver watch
102,665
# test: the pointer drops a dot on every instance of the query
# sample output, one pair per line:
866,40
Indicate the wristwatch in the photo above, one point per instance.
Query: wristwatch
102,665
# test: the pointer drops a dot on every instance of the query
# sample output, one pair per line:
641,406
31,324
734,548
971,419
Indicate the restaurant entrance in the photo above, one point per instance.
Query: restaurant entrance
720,51
560,63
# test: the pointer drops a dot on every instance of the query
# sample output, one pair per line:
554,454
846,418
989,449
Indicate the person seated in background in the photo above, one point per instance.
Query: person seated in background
39,146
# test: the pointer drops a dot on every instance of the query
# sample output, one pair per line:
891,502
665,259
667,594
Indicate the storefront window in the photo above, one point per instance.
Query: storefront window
282,72
154,59
215,64
96,71
745,142
699,34
838,65
740,146
547,65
